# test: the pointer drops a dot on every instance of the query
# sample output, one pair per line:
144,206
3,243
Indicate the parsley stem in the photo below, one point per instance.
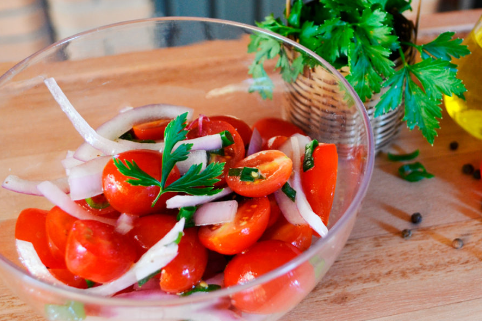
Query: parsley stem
402,56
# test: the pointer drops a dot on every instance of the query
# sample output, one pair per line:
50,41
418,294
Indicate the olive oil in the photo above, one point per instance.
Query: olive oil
468,113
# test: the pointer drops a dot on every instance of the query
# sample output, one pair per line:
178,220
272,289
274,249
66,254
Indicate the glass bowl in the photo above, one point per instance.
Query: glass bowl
194,62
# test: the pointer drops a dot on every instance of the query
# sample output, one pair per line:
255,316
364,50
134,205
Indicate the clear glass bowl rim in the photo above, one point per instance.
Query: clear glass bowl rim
79,295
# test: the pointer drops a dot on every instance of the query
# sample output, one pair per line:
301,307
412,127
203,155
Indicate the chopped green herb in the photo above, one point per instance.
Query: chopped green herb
289,191
202,288
194,182
403,157
414,172
187,212
309,162
89,283
143,281
130,136
226,138
97,206
72,311
249,174
217,151
179,237
235,171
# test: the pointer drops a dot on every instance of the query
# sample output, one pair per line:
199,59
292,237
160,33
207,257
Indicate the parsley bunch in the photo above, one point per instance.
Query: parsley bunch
361,35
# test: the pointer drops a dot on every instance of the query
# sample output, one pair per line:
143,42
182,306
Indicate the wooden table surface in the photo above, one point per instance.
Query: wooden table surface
379,275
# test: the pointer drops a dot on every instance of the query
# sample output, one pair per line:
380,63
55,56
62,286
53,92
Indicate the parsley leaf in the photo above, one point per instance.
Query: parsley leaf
444,47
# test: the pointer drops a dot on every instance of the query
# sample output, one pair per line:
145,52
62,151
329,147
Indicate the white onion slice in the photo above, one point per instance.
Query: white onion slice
158,256
85,180
62,200
70,162
179,201
20,185
30,259
255,143
216,213
125,223
288,208
195,157
208,142
287,147
301,202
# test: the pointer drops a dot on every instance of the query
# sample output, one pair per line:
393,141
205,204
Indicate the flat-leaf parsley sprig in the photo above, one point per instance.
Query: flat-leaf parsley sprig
194,182
364,36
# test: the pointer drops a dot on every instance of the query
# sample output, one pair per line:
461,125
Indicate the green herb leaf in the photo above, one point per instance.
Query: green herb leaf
202,288
403,157
295,13
191,181
308,161
414,172
97,206
444,47
332,41
130,136
188,213
289,191
90,283
143,281
235,171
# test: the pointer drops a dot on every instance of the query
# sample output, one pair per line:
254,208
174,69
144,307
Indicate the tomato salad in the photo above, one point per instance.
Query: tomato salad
154,200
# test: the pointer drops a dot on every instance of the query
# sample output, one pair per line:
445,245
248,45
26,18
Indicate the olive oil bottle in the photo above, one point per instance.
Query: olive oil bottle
468,113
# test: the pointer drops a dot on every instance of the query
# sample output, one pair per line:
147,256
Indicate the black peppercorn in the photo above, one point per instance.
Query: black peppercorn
476,174
454,145
457,243
406,234
416,218
468,169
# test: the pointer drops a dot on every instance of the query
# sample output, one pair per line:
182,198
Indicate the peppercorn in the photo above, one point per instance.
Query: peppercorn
454,145
476,174
457,243
406,234
468,169
416,218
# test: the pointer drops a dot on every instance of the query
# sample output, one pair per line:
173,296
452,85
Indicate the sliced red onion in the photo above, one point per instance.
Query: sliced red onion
179,201
20,185
209,142
301,202
30,259
70,162
255,143
123,122
85,180
289,209
287,147
126,108
195,157
62,200
215,213
158,256
125,223
218,279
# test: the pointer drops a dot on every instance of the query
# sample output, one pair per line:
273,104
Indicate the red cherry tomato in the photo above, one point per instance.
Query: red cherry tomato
241,127
247,227
136,200
232,153
319,182
188,267
270,127
297,235
97,253
275,142
30,227
275,170
101,207
153,130
278,295
275,210
66,277
58,226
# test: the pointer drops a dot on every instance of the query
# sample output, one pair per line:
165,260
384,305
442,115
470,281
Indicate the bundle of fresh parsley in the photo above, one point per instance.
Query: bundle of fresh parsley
360,34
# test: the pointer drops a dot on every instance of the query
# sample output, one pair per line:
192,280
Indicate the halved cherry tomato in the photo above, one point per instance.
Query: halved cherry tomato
30,227
136,200
278,295
68,278
274,169
275,142
95,251
270,127
236,236
103,209
153,130
58,226
148,230
241,127
188,267
319,181
297,235
275,210
232,153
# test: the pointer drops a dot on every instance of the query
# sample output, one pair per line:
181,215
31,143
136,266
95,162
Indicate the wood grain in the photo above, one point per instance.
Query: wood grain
379,275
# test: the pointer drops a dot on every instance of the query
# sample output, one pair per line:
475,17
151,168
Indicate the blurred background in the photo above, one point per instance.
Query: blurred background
29,25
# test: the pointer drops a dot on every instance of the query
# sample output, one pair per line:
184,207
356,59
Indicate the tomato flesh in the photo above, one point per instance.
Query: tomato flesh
97,253
58,226
31,227
270,127
274,167
319,182
297,235
101,200
247,227
136,200
241,127
68,278
278,295
153,130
